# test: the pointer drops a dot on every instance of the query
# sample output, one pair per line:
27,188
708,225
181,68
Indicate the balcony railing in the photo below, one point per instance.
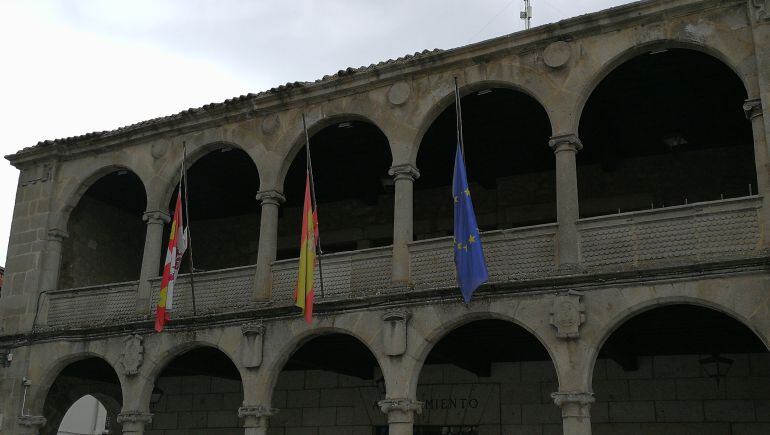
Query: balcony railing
688,234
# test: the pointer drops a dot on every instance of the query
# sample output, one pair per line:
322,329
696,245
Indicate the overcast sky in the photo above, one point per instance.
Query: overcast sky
70,67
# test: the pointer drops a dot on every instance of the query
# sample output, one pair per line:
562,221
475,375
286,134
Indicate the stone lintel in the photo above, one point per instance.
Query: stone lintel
156,217
565,142
752,108
404,172
273,197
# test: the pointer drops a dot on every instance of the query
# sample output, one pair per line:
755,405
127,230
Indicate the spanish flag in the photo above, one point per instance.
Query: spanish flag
177,244
303,294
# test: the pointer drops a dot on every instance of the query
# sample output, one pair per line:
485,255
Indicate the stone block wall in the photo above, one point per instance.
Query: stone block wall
193,405
674,395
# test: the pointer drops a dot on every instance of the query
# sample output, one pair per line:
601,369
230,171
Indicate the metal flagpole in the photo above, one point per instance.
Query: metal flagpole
459,113
319,250
189,221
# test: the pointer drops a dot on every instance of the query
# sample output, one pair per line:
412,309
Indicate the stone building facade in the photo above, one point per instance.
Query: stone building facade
619,168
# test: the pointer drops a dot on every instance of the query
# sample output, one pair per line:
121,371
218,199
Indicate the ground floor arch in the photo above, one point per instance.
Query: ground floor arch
681,368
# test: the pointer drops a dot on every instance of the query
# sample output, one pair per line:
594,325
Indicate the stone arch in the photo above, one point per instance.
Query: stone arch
269,372
630,51
429,116
446,327
170,177
152,371
314,126
621,317
40,388
73,192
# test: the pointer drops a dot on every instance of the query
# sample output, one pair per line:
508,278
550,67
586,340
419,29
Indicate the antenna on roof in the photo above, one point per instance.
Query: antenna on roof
526,14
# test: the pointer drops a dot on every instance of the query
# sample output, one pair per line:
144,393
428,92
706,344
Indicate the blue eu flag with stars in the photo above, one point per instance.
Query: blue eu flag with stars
469,257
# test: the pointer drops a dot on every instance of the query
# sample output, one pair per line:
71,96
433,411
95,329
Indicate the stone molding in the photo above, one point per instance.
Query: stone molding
565,142
252,349
568,314
404,172
761,9
32,421
253,328
57,235
257,411
156,217
752,108
272,197
134,417
132,355
574,403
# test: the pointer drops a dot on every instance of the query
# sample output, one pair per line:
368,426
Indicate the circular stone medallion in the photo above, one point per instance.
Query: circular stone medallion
399,93
270,124
557,54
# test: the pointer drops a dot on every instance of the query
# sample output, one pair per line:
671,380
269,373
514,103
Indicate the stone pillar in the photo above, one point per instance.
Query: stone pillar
31,424
753,109
403,220
268,243
153,249
256,419
133,422
50,278
575,411
400,414
565,147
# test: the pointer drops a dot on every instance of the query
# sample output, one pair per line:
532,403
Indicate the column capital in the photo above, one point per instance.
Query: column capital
257,411
32,421
134,417
272,197
752,108
565,142
156,217
404,172
57,235
574,403
400,410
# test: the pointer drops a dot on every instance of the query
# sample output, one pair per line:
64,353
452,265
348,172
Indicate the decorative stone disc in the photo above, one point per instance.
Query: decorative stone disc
270,124
399,93
557,54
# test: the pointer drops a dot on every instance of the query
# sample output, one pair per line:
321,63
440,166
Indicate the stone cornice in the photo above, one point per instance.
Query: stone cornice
359,80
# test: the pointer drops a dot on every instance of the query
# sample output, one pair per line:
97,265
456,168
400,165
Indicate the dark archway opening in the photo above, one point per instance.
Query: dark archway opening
92,377
224,212
665,128
353,189
490,377
509,164
106,233
199,391
331,383
681,369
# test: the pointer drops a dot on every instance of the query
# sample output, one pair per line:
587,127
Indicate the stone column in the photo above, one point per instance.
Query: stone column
50,279
153,249
403,220
753,109
575,411
31,424
134,421
400,414
565,147
256,419
268,243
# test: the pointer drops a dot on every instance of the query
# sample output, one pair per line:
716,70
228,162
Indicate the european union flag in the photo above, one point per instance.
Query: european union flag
469,257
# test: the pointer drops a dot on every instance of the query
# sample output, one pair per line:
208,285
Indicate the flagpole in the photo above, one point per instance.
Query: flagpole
309,167
189,230
459,113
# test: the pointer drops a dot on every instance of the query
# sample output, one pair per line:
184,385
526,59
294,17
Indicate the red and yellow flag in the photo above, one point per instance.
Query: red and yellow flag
303,294
177,244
